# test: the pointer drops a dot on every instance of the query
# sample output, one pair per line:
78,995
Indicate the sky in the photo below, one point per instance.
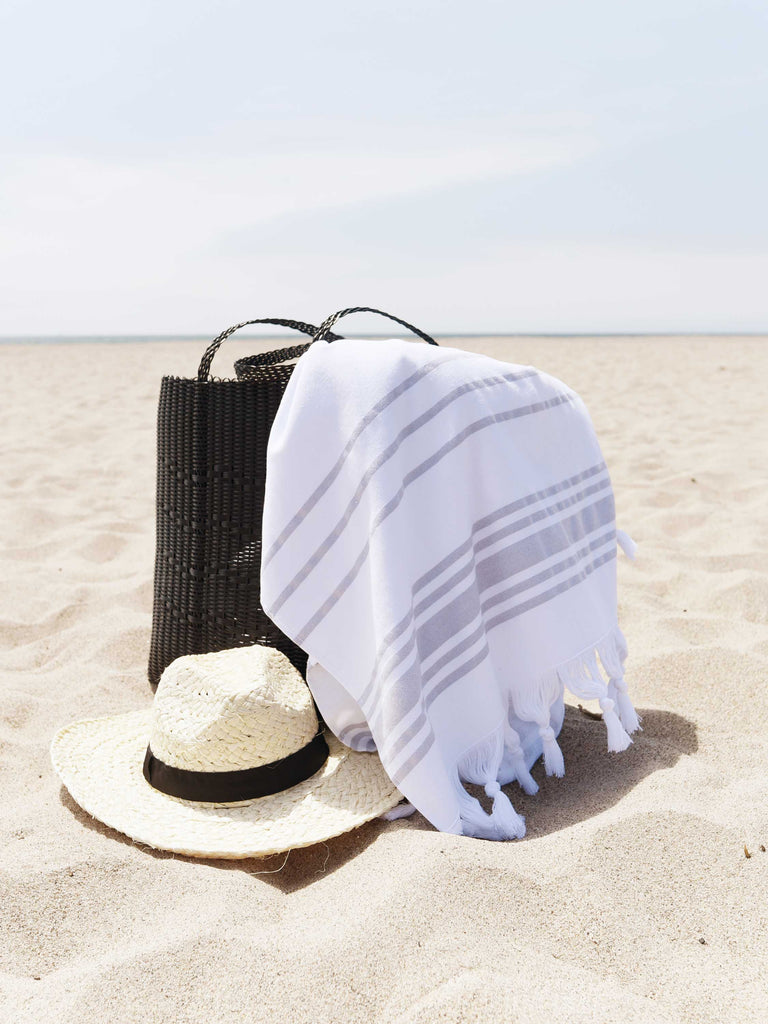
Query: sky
565,166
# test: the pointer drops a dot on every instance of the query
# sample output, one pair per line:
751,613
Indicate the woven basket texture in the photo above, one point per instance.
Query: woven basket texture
211,465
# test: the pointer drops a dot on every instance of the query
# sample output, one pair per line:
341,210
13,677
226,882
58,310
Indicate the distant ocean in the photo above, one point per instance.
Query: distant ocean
98,339
119,339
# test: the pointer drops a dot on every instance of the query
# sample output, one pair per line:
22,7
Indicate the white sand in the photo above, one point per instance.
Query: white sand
630,861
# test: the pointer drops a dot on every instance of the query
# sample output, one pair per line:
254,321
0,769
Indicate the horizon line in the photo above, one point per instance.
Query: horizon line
10,339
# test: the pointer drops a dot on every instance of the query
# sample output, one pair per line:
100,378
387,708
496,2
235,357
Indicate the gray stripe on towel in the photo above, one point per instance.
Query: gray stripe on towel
407,431
472,544
460,614
377,409
393,503
507,531
400,773
506,510
516,558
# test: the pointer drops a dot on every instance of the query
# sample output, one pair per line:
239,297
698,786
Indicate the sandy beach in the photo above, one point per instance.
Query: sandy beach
639,893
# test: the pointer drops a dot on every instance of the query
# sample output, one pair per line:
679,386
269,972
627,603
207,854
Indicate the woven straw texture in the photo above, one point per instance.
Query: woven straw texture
206,717
229,711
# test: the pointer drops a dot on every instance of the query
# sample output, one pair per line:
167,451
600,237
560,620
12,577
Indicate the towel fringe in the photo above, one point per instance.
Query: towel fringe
627,545
401,810
480,766
506,818
618,737
613,653
617,691
516,754
554,764
534,706
583,677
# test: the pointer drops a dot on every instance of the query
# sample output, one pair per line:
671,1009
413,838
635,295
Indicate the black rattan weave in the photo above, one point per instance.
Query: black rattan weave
211,464
324,330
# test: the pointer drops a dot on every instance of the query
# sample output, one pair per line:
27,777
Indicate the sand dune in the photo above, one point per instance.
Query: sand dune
631,898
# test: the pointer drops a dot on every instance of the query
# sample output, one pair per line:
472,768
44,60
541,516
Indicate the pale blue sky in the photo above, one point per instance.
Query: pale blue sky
173,166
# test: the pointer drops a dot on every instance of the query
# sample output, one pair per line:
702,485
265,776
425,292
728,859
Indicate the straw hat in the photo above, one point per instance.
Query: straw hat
228,762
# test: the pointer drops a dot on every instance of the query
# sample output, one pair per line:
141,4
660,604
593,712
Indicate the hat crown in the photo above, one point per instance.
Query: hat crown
231,711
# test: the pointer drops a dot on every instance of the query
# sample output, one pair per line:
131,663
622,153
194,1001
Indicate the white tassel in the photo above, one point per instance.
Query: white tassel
617,691
517,761
553,755
474,821
618,739
613,653
481,763
582,677
627,545
481,766
533,706
508,822
402,810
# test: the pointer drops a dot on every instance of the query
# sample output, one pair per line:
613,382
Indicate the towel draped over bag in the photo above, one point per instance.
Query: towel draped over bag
439,537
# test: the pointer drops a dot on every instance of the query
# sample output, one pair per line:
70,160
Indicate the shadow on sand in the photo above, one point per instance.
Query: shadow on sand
594,778
287,872
594,781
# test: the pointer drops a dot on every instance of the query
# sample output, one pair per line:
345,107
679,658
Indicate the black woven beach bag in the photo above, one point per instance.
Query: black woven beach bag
211,466
211,462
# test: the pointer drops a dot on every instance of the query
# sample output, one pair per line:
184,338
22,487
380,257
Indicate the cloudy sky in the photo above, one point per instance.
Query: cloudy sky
172,166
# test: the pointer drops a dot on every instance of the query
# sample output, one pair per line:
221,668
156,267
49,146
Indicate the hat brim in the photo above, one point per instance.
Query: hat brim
100,763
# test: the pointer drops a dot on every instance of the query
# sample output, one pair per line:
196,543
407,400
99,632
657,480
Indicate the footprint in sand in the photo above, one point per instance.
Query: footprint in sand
104,547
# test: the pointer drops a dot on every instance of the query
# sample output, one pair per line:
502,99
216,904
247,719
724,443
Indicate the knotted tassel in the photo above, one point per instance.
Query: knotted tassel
474,821
517,761
402,810
481,766
617,691
627,545
553,755
508,822
618,739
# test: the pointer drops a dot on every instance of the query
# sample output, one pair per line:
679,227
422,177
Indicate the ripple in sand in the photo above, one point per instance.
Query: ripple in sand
105,547
698,631
747,599
531,987
126,652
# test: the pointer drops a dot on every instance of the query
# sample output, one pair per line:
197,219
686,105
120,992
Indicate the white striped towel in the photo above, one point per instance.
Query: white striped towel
439,537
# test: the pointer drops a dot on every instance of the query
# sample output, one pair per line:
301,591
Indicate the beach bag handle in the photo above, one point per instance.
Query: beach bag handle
323,331
267,358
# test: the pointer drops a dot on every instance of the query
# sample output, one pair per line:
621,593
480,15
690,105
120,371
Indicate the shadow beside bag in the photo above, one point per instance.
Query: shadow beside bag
211,465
